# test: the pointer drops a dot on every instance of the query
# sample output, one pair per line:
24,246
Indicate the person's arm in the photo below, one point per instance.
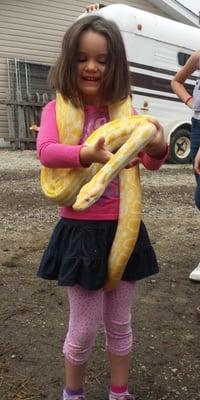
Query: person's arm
177,83
156,152
50,152
53,154
197,162
154,163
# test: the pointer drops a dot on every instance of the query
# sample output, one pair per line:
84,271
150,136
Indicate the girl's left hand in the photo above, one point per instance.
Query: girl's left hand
133,162
157,146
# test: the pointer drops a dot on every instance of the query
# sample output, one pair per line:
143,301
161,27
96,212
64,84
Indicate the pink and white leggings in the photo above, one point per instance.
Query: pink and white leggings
88,309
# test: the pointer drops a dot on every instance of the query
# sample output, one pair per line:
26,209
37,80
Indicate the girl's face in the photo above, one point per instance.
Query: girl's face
92,58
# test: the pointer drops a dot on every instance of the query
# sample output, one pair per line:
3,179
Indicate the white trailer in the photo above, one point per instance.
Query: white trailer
156,48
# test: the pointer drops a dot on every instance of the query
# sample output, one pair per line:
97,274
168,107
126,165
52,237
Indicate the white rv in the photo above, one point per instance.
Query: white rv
156,48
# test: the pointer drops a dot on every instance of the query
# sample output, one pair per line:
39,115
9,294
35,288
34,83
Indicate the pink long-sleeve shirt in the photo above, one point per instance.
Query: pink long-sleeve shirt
53,154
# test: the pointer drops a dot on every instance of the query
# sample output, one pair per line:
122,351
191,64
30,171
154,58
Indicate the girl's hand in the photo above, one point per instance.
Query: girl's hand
92,7
132,163
157,146
197,162
97,153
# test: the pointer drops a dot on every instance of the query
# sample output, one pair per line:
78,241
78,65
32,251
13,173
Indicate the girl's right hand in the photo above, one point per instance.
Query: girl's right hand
97,153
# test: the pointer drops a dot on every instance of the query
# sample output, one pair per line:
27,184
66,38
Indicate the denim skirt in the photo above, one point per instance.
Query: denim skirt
78,251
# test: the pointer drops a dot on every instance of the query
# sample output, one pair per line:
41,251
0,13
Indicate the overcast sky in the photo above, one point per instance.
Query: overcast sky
193,5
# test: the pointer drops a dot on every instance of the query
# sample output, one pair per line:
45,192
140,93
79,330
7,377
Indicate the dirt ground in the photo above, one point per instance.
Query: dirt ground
166,358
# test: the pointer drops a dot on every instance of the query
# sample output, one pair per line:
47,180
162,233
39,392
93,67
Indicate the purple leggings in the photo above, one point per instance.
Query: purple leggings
88,309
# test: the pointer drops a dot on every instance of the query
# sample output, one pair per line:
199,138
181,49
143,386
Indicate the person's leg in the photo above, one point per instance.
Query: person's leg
197,177
195,274
85,316
197,192
194,147
117,321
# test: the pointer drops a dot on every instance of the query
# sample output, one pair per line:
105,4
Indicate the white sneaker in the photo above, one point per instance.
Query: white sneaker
195,274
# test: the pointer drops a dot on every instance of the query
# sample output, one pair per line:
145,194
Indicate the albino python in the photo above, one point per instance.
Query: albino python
80,187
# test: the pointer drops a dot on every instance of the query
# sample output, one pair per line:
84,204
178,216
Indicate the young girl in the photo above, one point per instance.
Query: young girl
193,102
92,73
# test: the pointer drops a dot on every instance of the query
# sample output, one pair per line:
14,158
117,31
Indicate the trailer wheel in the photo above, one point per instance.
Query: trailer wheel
179,149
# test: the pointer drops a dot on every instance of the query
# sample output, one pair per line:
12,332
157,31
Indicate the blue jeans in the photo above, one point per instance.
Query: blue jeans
194,147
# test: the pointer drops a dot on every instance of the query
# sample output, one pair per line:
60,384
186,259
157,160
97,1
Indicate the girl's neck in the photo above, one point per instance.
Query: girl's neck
92,102
93,107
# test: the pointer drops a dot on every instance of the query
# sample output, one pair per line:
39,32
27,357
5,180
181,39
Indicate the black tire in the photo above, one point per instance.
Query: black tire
179,148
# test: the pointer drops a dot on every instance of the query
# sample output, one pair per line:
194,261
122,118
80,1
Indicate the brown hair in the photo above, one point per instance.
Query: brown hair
62,75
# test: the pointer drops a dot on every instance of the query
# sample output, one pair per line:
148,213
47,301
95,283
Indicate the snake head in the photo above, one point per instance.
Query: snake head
88,195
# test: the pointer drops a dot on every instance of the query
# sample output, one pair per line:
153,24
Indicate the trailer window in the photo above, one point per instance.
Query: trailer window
182,58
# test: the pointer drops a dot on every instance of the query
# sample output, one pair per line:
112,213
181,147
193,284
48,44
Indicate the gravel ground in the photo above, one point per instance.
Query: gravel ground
165,361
